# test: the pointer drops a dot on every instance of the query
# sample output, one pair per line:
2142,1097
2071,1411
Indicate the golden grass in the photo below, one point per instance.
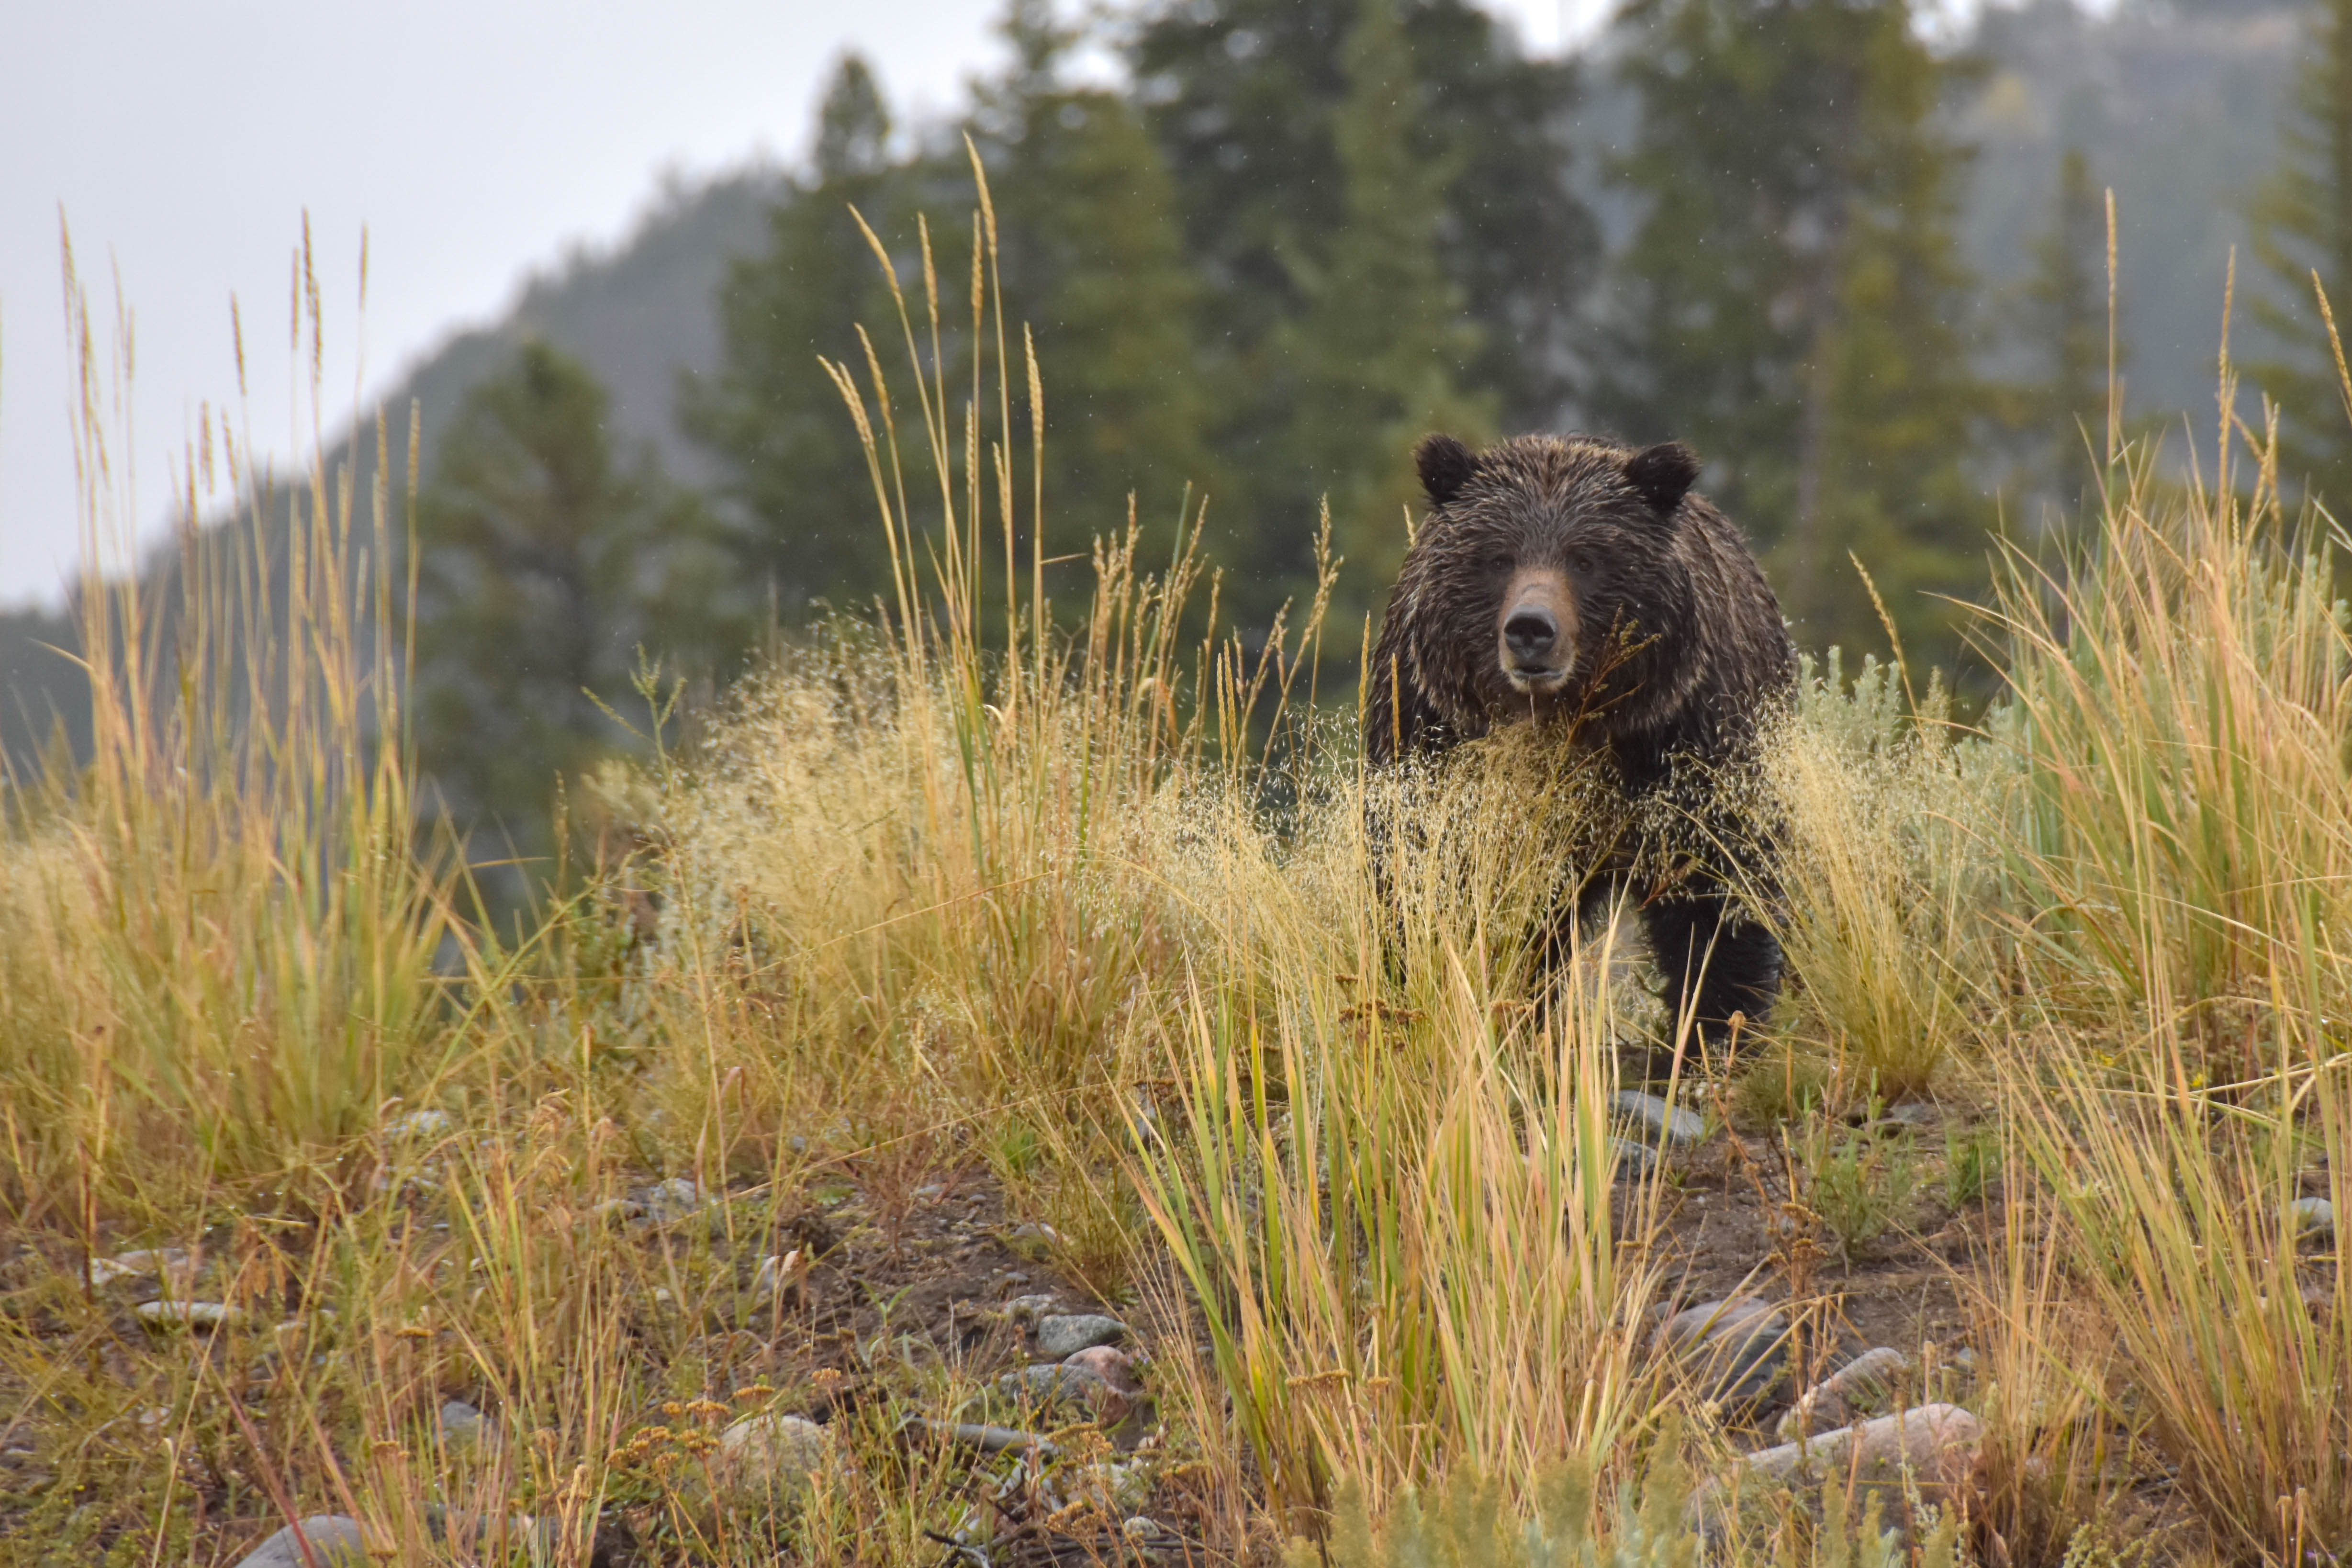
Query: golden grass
1097,904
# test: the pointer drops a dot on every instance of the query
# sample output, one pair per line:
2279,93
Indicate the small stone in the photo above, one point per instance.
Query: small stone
1635,1161
335,1541
673,1199
1836,1400
987,1438
463,1427
1934,1442
774,1449
785,1277
422,1124
1060,1338
187,1314
1739,1346
1659,1121
1052,1385
2312,1219
170,1263
1115,1370
1033,1239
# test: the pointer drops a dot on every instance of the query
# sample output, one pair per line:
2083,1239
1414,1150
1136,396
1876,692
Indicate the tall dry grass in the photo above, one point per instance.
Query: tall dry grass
1104,902
217,940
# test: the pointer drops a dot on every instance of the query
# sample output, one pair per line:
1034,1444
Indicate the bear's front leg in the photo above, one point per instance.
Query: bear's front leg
1717,960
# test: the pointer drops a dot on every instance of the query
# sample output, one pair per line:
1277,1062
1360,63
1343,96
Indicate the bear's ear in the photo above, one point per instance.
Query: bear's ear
1663,475
1445,466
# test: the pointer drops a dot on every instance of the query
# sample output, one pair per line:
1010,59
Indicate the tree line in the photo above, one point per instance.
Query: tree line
1304,232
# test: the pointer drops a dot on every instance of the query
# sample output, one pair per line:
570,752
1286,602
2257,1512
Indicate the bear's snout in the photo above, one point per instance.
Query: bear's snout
1536,632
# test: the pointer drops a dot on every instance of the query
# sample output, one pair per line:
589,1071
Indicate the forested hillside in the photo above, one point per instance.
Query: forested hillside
1864,274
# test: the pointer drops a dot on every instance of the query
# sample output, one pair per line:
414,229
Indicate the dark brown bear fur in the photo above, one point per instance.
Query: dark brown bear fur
1578,582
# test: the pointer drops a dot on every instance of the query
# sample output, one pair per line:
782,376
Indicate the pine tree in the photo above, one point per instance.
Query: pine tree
1792,301
2064,321
2304,226
801,505
1247,98
1092,262
545,565
1374,360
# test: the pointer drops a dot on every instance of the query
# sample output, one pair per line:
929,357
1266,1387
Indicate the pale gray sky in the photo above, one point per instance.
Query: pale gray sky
474,139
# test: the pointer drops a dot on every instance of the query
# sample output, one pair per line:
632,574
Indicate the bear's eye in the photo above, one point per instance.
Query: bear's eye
1500,560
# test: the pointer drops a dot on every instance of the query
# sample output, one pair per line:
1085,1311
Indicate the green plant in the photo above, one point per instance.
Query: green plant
1859,1184
1972,1164
1470,1524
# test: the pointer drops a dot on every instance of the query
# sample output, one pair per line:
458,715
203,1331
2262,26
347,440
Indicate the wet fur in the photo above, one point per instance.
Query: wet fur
1680,656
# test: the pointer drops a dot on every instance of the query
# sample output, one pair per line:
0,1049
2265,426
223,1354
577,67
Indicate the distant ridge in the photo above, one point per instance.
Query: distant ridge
2177,106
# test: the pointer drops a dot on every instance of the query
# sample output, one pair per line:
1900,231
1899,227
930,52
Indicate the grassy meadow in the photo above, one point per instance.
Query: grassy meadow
983,945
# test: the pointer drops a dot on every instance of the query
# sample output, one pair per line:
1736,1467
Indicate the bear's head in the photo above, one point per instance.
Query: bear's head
1551,567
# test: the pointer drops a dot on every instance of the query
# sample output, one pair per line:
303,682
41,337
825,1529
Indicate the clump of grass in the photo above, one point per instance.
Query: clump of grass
218,932
1859,1185
2179,710
1350,1193
1883,880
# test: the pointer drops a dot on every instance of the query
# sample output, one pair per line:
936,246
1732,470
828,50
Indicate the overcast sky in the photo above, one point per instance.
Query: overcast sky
476,140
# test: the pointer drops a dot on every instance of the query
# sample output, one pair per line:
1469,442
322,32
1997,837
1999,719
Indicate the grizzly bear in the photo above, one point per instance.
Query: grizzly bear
1578,584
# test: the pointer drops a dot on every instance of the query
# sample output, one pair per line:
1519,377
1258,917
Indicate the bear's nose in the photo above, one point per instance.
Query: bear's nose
1529,635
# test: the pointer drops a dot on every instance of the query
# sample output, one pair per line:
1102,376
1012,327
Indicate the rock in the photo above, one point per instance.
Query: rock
1052,1385
785,1277
1838,1398
1027,1310
1738,1347
674,1199
1117,1371
1635,1161
1033,1239
1936,1444
1659,1122
422,1124
780,1451
187,1314
2312,1219
335,1541
171,1264
463,1427
988,1439
1059,1338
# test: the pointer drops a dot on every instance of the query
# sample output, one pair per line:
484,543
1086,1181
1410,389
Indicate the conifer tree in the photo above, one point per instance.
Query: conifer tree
2064,325
1092,262
1373,361
800,501
1792,299
1247,100
545,564
2303,226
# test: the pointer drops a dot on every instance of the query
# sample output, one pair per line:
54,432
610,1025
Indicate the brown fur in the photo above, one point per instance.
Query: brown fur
1671,650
